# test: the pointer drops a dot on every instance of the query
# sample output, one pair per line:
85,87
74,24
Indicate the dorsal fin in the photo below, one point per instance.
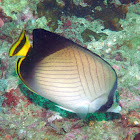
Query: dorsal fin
45,40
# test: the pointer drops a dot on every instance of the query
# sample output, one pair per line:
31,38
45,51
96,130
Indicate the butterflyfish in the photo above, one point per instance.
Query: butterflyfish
58,69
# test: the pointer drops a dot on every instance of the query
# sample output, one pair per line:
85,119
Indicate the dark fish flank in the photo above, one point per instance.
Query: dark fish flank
71,76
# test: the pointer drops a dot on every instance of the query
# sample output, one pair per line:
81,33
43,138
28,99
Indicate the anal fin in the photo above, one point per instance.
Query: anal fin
64,108
82,111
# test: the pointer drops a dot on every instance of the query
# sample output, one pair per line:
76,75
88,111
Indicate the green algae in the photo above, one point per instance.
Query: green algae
106,116
87,33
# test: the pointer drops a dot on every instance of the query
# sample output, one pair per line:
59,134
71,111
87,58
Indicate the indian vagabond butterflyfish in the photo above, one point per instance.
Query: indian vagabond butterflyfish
71,76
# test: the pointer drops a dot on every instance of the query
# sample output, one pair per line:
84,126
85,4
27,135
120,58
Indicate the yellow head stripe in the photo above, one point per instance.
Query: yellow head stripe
21,46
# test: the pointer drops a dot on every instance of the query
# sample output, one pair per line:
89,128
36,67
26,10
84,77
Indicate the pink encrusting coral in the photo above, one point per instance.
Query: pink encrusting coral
1,22
11,99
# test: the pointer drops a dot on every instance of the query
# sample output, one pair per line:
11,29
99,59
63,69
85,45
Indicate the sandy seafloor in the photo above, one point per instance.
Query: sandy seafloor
26,116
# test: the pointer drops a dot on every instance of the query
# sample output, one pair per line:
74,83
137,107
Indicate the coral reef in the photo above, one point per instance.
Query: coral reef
110,29
111,16
13,8
51,10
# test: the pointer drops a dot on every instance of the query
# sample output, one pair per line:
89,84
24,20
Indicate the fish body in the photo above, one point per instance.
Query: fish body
64,72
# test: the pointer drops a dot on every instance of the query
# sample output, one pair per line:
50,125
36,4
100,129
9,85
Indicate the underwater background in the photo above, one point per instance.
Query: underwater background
110,28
